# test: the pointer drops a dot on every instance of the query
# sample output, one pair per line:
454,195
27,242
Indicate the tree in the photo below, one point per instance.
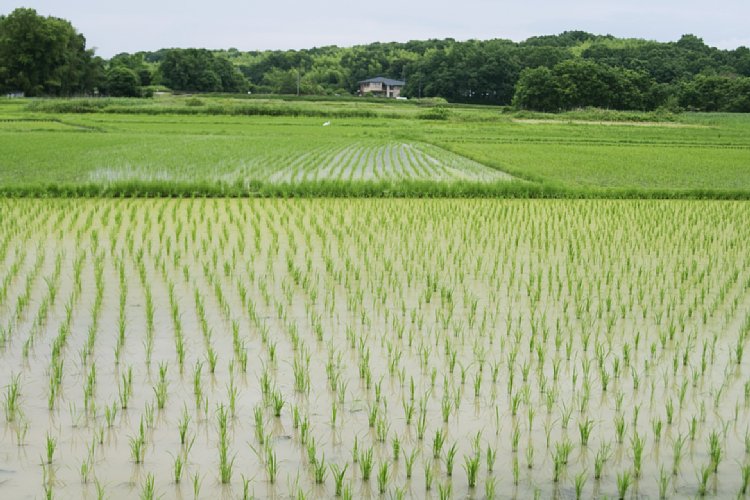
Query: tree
123,82
533,56
581,83
741,61
739,101
200,70
692,43
230,77
537,89
136,63
473,71
45,56
564,39
716,93
281,81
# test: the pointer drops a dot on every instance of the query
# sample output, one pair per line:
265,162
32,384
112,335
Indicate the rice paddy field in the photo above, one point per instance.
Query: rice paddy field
225,147
254,298
368,348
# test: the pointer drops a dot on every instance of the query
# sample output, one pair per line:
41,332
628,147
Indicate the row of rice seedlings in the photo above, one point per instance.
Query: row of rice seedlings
377,161
339,164
12,271
460,166
52,283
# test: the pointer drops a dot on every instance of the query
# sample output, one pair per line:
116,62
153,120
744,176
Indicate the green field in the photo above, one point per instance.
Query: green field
374,348
359,348
681,155
252,146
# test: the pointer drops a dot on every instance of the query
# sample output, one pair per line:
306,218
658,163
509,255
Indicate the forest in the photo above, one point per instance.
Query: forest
44,56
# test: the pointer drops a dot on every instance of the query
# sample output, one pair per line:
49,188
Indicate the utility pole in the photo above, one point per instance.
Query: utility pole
298,80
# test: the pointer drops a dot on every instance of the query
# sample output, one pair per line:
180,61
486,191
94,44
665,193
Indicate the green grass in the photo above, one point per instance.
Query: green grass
619,166
700,152
279,147
233,106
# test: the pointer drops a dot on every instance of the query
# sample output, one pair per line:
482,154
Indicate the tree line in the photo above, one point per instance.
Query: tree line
47,56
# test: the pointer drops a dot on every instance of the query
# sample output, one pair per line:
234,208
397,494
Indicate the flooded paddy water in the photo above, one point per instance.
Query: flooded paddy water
368,348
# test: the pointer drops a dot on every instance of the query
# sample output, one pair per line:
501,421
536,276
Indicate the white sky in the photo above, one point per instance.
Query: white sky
133,25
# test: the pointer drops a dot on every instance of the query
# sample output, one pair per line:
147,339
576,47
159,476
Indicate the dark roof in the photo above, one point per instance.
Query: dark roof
387,81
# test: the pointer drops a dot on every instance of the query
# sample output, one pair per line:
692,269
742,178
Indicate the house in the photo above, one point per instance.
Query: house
380,86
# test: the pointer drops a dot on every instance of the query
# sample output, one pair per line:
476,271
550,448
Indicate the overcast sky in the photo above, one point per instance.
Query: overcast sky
133,25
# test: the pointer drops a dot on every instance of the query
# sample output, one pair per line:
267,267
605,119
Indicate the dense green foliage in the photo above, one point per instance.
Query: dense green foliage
199,70
716,93
123,82
44,56
579,83
552,73
135,63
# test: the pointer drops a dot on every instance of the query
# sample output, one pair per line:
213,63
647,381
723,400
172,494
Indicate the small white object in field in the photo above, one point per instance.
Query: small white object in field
326,124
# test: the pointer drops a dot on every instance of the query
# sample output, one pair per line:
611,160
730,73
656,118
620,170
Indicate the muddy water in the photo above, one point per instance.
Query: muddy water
440,293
